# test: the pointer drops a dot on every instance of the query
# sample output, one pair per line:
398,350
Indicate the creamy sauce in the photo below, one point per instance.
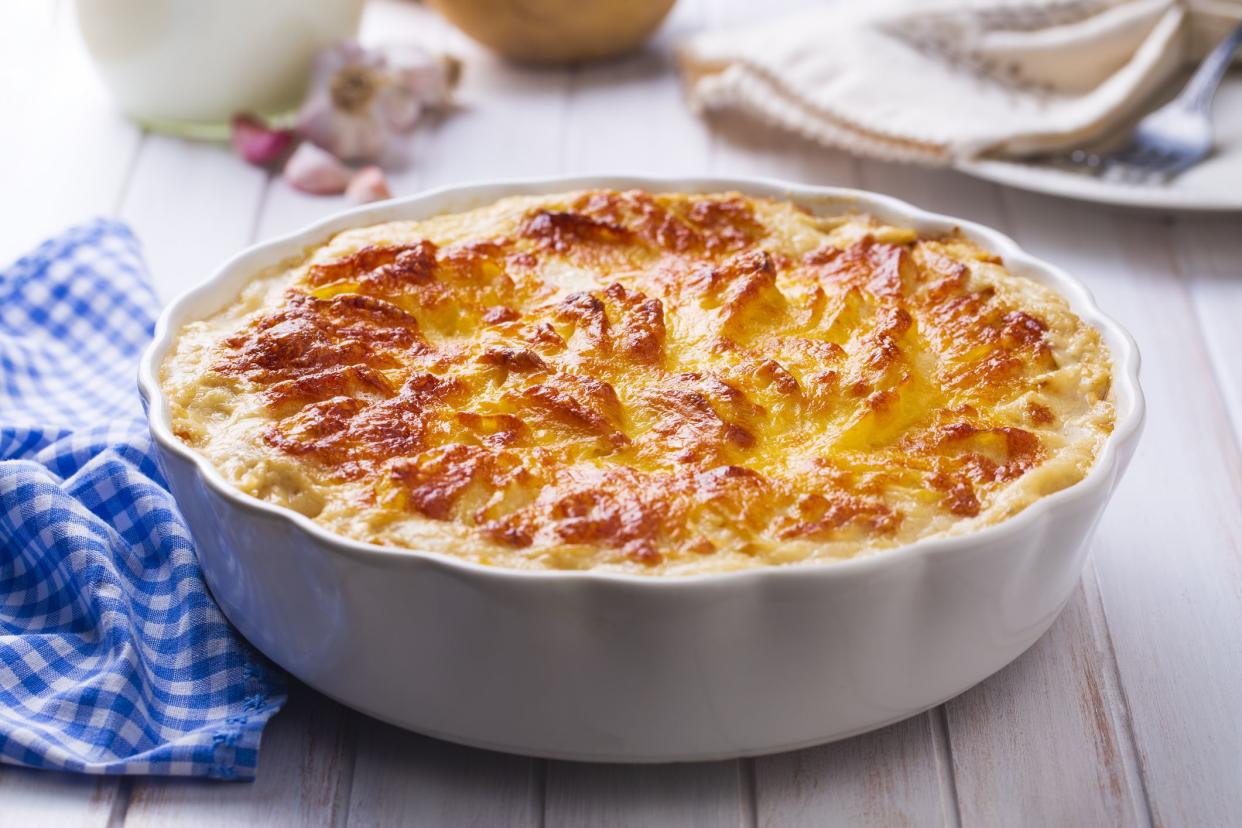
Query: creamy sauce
666,384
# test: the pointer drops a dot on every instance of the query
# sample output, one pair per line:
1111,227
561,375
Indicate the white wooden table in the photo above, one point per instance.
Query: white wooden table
1128,712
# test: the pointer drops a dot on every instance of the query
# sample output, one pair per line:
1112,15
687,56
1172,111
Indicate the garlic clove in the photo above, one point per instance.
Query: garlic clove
368,184
400,108
315,170
427,77
347,134
258,143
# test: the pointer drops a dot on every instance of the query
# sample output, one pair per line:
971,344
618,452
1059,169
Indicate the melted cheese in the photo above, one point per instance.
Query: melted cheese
647,383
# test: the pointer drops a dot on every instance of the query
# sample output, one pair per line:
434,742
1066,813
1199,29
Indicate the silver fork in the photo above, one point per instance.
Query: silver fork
1176,136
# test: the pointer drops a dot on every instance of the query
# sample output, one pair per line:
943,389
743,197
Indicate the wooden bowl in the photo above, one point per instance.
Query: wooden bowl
556,31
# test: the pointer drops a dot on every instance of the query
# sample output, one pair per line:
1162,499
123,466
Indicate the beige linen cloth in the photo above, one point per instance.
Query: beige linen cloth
938,82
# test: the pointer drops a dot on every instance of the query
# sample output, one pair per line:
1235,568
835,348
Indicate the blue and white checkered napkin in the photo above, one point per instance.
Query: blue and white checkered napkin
113,656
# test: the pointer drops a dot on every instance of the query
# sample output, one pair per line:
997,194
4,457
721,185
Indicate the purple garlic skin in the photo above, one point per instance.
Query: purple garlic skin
258,143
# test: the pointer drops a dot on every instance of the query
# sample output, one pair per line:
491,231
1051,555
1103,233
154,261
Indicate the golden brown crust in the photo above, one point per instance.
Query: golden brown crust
658,382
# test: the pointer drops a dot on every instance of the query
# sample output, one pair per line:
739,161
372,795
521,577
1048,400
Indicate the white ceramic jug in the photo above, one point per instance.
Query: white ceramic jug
188,66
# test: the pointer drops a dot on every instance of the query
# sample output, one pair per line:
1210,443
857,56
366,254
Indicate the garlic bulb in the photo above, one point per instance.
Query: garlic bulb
361,98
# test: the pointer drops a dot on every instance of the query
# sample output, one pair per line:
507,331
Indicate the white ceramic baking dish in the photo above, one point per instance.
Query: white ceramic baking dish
593,666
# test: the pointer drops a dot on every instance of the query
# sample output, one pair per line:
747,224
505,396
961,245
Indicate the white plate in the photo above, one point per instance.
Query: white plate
1214,185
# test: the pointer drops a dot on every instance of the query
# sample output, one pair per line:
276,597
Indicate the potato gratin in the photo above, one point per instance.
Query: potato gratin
648,383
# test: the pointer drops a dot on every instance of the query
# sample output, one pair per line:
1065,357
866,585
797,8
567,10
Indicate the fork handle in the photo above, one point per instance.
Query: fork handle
1202,86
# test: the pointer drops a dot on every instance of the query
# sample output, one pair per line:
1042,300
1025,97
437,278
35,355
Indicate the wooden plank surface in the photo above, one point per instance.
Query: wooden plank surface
591,795
1168,547
1127,712
305,774
1046,723
203,202
34,798
892,777
1052,720
50,179
404,779
889,777
1206,251
67,152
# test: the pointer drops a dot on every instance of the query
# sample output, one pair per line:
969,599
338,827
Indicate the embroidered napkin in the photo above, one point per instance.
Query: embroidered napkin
947,80
113,656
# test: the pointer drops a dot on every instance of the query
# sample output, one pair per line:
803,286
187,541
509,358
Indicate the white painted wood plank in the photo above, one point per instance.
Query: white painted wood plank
401,778
888,777
942,191
884,778
584,795
53,178
1053,720
304,776
1210,256
628,114
64,151
484,143
33,799
1167,553
742,147
1047,723
193,205
286,209
508,122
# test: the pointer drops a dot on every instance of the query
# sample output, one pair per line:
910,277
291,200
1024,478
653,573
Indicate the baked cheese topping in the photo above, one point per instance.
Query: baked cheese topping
659,384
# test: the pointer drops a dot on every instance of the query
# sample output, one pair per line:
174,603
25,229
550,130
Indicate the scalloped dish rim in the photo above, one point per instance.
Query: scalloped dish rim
224,283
